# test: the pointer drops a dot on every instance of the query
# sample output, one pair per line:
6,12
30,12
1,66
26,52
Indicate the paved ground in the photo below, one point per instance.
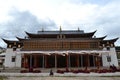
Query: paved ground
63,78
60,75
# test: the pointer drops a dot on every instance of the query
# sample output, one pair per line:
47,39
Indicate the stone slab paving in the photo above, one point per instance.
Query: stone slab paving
63,78
59,75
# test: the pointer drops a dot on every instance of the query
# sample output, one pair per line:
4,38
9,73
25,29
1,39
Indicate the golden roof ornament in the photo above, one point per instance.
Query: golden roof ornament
78,29
60,29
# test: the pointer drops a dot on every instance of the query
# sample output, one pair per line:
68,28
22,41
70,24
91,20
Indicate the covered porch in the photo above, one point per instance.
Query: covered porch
61,59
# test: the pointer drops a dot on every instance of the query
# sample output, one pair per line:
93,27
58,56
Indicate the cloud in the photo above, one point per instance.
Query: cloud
99,2
88,15
24,21
107,18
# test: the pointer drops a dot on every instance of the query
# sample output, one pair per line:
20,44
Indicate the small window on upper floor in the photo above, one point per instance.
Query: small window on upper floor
109,58
13,58
14,48
108,48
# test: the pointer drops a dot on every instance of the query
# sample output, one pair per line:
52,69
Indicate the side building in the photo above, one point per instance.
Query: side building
118,53
60,49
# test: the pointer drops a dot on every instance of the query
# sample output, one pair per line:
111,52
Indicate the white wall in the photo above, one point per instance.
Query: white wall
8,59
113,56
18,59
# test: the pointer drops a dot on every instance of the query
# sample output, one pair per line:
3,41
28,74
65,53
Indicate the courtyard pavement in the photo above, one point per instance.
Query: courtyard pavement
60,75
65,76
62,78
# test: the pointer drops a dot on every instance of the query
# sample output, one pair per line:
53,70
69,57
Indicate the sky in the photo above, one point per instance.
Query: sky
18,16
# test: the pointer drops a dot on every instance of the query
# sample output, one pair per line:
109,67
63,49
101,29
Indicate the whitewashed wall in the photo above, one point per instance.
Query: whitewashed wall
18,59
113,56
8,59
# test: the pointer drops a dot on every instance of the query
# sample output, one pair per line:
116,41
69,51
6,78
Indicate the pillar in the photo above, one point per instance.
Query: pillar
25,61
87,61
77,60
93,60
81,60
35,61
46,63
55,60
98,62
31,61
43,65
67,61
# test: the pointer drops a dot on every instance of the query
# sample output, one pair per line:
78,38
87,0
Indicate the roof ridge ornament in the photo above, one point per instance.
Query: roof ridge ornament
78,29
60,28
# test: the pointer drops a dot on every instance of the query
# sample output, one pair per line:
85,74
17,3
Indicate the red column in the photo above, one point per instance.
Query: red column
25,61
67,61
43,63
86,61
77,60
98,62
35,61
46,63
55,60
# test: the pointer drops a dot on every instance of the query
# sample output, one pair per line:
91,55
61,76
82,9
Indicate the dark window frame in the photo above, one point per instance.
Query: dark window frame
13,58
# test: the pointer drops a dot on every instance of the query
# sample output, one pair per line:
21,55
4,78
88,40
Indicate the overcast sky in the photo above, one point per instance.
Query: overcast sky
17,16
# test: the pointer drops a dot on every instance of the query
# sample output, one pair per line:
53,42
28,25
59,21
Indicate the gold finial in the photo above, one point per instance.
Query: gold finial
60,29
42,29
78,29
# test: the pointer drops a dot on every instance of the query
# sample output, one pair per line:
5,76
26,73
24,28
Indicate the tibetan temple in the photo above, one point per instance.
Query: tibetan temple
60,49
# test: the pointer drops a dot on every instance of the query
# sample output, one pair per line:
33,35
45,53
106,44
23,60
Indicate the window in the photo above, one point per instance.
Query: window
108,48
13,58
109,58
14,48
